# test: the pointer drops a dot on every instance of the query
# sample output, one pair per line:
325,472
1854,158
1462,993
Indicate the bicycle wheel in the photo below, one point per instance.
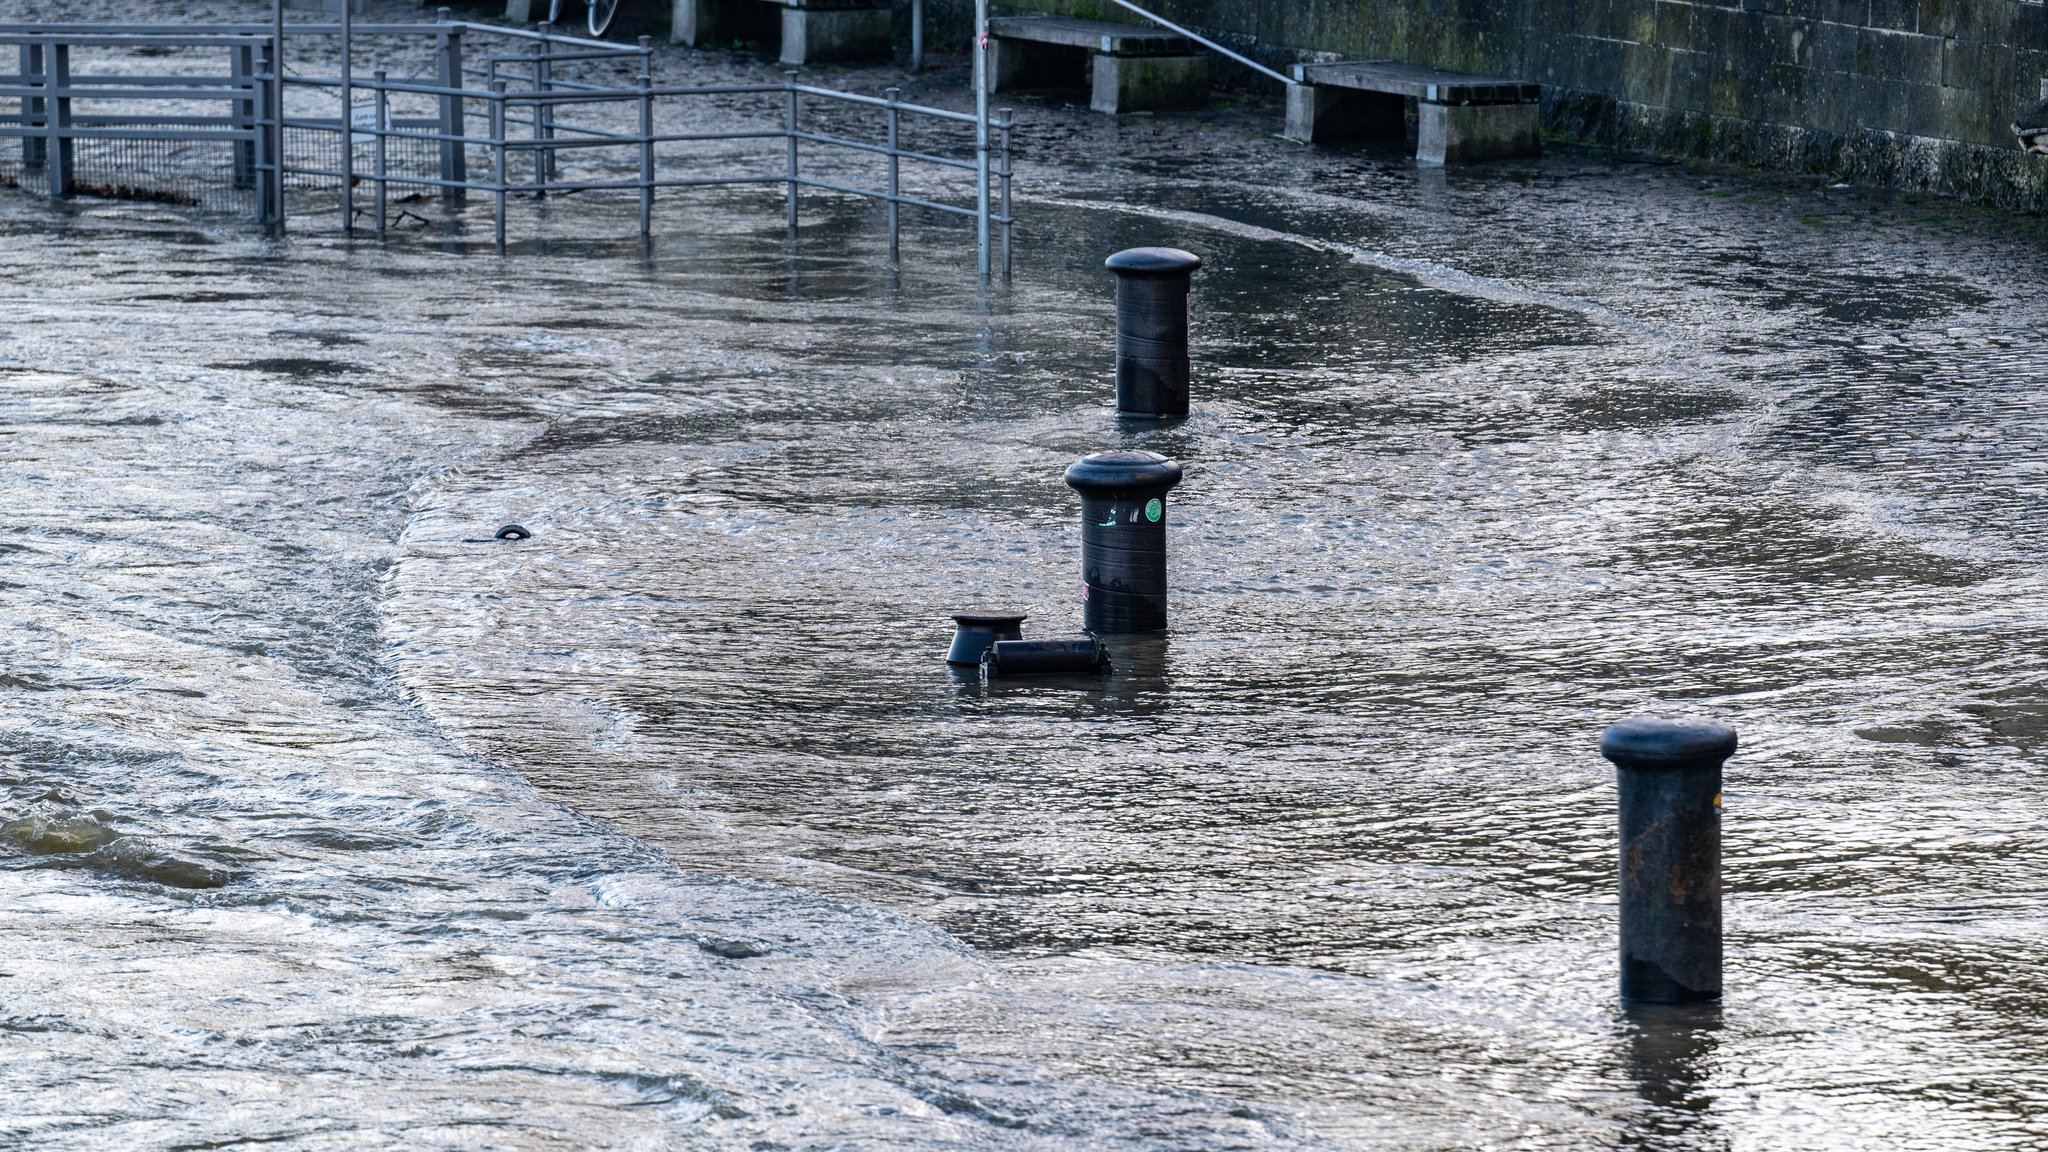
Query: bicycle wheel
554,11
601,15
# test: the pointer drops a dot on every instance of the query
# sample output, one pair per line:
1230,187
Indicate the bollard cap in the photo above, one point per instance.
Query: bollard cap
1667,742
1153,262
1123,471
989,619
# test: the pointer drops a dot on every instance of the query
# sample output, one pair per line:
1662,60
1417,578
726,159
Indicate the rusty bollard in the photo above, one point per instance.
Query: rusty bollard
1668,773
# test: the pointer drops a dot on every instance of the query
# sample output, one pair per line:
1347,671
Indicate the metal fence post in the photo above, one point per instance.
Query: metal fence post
916,35
269,138
241,62
276,214
454,156
789,133
58,121
543,158
646,141
348,122
498,160
895,164
1005,117
381,112
981,79
35,151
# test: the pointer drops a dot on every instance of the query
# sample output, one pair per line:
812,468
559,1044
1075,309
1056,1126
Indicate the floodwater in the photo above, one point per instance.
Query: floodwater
328,821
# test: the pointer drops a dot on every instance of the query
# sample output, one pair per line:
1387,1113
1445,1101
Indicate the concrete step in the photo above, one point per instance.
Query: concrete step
1416,82
1094,35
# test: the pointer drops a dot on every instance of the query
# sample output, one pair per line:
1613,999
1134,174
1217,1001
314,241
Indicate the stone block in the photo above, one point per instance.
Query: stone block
1142,83
823,35
1474,133
1318,114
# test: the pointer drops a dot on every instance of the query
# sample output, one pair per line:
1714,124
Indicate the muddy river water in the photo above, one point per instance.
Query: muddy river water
327,821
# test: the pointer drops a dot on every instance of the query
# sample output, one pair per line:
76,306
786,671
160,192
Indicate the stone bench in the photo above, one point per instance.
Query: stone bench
1128,68
1460,119
811,31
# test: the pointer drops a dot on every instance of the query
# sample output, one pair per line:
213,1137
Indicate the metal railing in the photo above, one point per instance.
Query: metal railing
556,118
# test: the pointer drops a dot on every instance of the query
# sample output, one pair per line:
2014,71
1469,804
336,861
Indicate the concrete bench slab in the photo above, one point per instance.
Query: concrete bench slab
809,31
1093,35
1128,68
1460,118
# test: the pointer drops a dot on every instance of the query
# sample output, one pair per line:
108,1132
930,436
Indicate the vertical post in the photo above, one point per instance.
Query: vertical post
276,213
1123,539
454,158
381,110
981,135
241,64
646,138
498,174
348,121
269,155
916,35
1006,116
1668,775
789,132
35,151
1152,292
57,124
543,125
895,165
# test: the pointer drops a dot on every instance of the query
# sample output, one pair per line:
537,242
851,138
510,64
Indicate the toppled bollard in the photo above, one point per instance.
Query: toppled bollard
514,532
1083,657
1152,287
973,632
1668,773
1123,539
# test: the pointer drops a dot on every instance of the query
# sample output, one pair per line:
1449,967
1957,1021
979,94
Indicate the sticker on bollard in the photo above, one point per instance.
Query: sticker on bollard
1152,289
1083,657
1668,775
973,632
1123,539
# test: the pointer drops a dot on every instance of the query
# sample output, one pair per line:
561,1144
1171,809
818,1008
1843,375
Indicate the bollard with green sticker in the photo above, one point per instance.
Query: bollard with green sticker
1123,539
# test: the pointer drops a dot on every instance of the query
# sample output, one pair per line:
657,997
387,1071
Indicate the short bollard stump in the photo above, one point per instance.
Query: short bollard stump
1668,774
1152,289
1123,539
1083,657
973,632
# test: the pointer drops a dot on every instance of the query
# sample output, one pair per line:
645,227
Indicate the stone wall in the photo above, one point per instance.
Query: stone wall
1911,93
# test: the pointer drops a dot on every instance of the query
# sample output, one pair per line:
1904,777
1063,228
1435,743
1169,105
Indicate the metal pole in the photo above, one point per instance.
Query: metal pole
348,121
789,132
895,164
454,157
1007,118
981,78
498,160
541,114
35,151
57,157
1668,775
646,140
276,212
381,109
916,35
269,166
242,63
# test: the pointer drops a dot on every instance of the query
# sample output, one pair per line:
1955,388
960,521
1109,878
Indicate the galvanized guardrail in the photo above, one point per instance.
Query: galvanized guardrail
557,119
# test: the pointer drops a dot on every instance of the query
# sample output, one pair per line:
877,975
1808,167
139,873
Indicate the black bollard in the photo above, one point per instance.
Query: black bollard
1083,657
1152,331
1668,773
973,632
1123,539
